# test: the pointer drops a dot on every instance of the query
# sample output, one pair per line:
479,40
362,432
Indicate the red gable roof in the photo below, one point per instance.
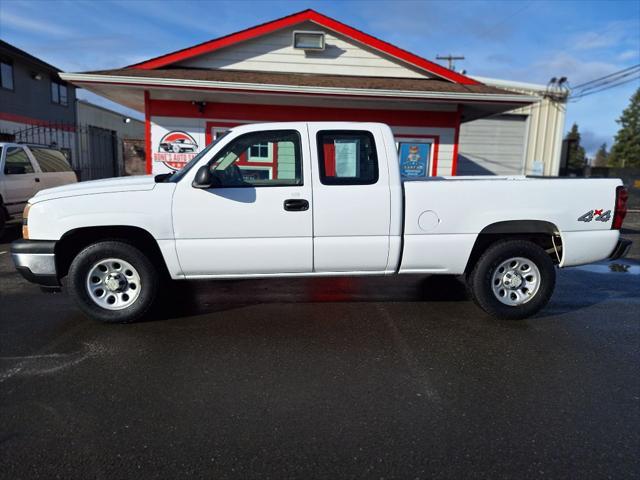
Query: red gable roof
294,19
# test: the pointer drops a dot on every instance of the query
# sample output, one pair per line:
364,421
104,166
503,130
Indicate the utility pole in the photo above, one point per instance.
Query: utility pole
450,58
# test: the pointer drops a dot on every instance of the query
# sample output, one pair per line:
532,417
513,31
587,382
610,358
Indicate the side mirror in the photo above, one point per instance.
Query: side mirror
203,178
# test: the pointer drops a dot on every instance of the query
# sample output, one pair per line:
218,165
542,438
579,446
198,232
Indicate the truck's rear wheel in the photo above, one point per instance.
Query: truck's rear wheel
513,279
113,282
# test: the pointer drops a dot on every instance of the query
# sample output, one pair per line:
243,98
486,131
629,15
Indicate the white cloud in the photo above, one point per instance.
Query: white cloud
616,33
13,21
629,55
575,69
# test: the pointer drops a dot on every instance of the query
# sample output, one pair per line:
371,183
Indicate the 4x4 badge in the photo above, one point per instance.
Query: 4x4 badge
599,215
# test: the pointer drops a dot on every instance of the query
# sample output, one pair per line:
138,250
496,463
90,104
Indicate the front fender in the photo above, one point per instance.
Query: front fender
149,210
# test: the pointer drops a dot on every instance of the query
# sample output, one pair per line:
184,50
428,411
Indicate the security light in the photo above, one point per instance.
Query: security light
308,40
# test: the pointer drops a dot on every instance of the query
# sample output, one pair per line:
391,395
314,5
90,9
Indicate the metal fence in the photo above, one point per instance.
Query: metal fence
93,152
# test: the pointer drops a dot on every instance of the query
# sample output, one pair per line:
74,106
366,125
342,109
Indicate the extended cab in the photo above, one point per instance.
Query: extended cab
314,199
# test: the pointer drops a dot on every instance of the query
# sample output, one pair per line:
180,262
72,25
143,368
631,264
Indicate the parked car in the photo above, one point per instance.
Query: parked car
334,204
180,145
24,171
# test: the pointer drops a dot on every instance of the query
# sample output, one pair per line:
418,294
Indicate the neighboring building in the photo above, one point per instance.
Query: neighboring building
33,94
111,135
525,141
37,106
311,67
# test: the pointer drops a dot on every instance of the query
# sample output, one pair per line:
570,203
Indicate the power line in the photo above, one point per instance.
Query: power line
609,81
612,80
608,87
603,88
606,76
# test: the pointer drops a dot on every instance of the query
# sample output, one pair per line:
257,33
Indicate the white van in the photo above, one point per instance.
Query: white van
24,171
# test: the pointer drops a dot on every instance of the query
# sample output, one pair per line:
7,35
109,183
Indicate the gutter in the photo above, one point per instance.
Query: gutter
267,88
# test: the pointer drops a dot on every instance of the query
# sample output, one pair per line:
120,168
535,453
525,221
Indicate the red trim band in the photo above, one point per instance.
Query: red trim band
12,117
290,113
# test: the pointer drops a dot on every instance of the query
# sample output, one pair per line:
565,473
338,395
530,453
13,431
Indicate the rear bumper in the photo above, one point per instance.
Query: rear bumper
35,260
621,250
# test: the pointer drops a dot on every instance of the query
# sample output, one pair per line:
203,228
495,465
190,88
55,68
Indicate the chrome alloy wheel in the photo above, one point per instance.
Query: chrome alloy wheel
516,281
113,284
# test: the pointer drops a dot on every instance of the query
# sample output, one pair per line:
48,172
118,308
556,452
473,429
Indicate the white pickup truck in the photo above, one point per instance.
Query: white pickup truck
314,199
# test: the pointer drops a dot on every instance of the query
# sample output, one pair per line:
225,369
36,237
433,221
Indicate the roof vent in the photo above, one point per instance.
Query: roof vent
304,40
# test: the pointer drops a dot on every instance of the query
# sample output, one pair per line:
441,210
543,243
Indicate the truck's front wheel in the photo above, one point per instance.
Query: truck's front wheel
513,279
113,282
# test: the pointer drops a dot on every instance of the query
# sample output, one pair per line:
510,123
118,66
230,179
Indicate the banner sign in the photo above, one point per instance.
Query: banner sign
414,159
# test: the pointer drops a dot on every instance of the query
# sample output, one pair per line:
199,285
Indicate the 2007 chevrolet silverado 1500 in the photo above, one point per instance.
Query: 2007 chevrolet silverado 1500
314,199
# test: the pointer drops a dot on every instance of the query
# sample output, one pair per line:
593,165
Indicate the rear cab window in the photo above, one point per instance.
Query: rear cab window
50,160
347,157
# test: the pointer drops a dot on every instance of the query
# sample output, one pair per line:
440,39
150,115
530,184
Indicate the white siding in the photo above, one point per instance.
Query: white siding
543,141
492,146
286,160
275,53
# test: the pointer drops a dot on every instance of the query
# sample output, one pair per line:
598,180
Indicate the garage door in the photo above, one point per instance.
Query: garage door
492,146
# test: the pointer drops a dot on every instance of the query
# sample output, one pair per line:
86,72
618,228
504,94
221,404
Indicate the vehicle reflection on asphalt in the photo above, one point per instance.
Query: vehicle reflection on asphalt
618,266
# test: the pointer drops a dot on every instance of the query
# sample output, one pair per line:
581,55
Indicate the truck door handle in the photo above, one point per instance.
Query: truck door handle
296,205
37,179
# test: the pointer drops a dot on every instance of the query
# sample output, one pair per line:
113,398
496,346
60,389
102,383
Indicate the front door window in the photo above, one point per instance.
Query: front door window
258,159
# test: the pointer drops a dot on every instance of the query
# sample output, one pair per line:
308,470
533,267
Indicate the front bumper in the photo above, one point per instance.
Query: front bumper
35,260
621,250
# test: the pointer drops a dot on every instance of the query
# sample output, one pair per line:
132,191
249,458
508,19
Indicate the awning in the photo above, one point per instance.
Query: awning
126,86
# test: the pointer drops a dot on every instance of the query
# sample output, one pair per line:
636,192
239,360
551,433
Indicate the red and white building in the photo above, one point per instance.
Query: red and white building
305,66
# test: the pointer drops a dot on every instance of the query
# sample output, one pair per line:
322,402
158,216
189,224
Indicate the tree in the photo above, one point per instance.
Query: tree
576,153
602,156
626,147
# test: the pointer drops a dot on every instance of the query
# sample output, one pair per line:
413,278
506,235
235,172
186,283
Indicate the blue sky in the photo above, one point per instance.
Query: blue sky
528,40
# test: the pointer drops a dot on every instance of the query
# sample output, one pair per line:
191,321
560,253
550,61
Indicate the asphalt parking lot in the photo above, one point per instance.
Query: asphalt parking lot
328,378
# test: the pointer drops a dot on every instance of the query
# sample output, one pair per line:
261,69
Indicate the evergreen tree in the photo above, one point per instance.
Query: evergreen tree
577,156
626,148
602,156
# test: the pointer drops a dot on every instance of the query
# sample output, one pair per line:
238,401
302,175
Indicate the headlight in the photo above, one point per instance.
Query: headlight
25,221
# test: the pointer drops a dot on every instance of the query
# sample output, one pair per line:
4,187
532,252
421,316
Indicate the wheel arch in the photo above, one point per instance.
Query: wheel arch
73,241
544,233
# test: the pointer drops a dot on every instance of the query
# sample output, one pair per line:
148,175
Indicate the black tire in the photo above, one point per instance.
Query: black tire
3,220
480,280
87,259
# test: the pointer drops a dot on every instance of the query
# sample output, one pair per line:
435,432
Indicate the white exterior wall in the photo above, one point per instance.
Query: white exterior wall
275,53
160,126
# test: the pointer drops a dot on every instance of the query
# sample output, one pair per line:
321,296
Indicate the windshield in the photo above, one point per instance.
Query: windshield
175,177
